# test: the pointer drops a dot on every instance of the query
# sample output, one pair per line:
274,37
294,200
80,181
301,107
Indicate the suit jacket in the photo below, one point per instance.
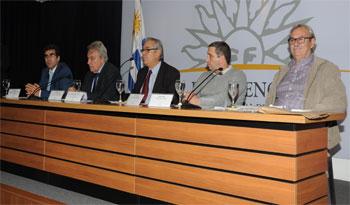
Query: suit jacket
165,81
62,79
105,89
324,91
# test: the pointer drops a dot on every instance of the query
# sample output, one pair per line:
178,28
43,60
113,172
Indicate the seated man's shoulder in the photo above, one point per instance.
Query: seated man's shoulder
170,68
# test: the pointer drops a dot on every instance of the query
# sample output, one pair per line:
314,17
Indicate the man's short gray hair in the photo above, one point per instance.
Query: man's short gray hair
309,29
98,45
158,45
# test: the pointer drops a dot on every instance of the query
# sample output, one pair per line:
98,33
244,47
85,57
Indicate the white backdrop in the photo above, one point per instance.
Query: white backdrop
256,32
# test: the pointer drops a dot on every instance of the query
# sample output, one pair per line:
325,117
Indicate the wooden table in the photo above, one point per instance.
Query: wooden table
177,156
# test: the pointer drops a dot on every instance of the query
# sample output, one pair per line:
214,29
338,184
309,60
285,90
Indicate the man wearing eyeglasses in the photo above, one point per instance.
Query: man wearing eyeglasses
56,75
308,82
156,76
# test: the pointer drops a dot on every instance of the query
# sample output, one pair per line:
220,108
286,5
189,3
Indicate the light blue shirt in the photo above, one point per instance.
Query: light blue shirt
152,81
51,72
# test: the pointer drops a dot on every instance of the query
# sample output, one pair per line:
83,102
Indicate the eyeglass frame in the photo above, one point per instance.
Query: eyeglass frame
300,40
148,49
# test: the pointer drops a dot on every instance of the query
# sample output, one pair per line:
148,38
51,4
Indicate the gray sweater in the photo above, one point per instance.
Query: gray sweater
214,91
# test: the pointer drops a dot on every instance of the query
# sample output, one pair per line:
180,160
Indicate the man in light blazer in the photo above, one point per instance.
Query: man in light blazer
157,75
309,82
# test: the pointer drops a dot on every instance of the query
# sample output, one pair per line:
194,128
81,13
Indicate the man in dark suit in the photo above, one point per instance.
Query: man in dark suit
99,82
158,75
56,75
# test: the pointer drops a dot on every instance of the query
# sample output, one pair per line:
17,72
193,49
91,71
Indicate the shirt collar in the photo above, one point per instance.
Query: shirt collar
155,69
226,70
306,61
52,71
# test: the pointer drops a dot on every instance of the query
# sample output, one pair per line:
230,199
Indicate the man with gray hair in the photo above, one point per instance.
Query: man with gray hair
157,76
99,82
308,82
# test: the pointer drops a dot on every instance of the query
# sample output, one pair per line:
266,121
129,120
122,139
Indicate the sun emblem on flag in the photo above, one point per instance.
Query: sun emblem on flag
137,23
256,30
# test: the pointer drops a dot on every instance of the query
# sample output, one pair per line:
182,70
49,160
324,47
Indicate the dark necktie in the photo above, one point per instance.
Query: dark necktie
145,86
94,82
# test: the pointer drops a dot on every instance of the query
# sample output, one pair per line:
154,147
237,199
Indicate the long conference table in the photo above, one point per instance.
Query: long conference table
172,155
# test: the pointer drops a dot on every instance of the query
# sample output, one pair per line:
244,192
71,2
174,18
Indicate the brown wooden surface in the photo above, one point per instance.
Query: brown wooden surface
183,195
22,143
21,128
92,122
22,114
230,183
22,158
102,177
261,139
116,143
91,157
275,166
272,166
10,196
176,112
321,201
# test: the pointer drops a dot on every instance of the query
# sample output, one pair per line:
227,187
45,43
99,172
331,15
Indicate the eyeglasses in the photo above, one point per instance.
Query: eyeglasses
148,49
299,40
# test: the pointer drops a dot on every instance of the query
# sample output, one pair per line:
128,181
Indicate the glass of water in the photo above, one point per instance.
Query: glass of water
6,85
233,92
77,84
120,88
180,89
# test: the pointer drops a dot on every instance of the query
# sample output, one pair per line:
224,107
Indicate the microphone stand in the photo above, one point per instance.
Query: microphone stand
186,104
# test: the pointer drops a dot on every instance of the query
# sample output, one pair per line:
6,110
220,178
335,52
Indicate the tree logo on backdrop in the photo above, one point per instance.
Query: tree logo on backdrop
256,30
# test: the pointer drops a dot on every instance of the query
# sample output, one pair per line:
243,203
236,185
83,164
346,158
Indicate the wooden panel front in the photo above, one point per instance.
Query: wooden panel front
230,183
91,157
280,141
22,158
22,114
10,195
115,143
275,166
183,195
312,188
22,143
22,128
102,177
104,123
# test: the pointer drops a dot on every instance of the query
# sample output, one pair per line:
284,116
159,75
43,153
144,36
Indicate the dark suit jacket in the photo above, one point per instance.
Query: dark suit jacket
105,89
165,81
62,79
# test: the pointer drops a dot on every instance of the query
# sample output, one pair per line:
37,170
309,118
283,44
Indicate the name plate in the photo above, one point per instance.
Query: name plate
75,96
13,94
160,100
56,95
134,99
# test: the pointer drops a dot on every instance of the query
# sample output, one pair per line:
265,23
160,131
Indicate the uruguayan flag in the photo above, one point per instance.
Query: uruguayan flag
138,35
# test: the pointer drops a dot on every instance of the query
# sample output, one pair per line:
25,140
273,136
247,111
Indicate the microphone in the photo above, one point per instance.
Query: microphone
104,101
190,95
125,72
48,84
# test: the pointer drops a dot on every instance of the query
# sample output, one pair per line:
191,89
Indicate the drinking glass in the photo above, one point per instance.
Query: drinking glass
180,89
120,88
233,92
77,84
6,84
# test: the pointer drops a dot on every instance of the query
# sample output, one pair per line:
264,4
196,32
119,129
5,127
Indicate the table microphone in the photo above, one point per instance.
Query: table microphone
186,103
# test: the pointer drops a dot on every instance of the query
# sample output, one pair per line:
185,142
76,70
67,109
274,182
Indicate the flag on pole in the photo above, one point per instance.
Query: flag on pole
138,35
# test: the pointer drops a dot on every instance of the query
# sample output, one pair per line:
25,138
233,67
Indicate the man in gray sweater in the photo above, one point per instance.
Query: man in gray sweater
213,90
